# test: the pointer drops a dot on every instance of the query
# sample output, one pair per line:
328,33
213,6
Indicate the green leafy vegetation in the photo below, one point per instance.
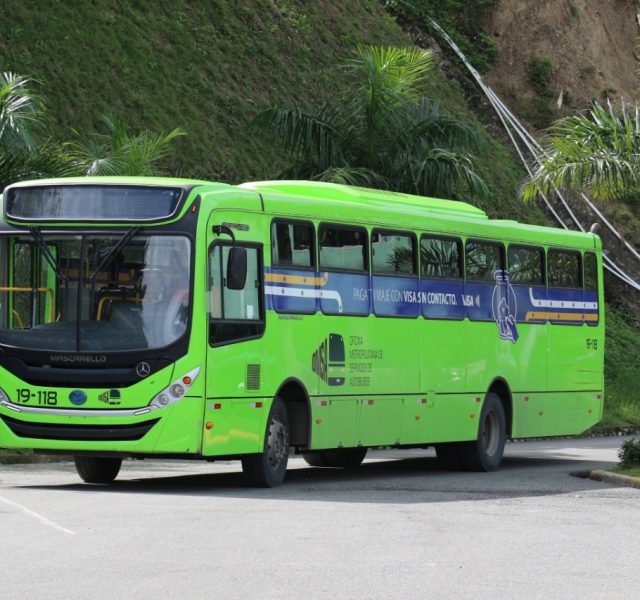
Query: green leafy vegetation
622,357
628,471
539,75
381,132
118,152
629,454
597,152
205,67
539,109
461,19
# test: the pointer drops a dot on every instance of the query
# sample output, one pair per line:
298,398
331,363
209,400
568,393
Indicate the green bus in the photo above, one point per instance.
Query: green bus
157,317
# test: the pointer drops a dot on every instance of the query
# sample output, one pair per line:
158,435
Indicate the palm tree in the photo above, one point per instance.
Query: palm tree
20,109
22,112
118,152
597,152
381,131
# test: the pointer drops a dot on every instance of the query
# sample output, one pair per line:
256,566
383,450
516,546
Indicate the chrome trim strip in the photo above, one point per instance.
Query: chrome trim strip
77,412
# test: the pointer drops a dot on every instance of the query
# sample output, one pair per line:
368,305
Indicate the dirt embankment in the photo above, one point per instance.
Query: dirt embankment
592,47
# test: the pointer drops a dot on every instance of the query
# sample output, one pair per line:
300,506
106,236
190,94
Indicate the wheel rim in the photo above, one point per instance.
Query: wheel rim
490,433
278,444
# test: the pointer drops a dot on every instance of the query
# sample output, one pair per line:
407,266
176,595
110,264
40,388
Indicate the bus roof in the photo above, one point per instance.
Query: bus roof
121,180
370,197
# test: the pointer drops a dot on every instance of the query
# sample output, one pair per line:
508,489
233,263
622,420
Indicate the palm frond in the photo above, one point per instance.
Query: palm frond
303,134
20,109
356,176
443,173
425,122
597,152
117,153
50,160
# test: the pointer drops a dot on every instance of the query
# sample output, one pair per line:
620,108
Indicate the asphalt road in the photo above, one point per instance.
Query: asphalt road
398,527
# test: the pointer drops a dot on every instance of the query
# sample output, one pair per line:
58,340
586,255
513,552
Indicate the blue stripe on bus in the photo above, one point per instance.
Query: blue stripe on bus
303,291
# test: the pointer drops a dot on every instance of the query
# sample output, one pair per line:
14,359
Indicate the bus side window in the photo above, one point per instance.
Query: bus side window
292,244
483,259
590,272
234,314
441,257
564,269
343,248
526,265
393,253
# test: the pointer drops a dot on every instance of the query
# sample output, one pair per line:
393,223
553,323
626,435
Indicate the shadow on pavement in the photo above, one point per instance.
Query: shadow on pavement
405,480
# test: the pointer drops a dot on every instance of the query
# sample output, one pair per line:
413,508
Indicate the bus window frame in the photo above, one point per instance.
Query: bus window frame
367,262
543,254
315,259
570,251
399,232
597,275
261,322
486,242
461,257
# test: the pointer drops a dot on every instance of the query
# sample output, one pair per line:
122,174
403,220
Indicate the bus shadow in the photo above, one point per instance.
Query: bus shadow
404,481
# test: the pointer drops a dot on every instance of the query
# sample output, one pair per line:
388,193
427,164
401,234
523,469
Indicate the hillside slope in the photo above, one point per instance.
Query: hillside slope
589,47
206,66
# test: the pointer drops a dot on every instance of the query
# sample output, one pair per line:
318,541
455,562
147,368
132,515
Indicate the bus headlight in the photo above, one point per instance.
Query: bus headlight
175,391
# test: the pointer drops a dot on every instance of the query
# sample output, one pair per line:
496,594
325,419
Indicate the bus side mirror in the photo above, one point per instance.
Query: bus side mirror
237,268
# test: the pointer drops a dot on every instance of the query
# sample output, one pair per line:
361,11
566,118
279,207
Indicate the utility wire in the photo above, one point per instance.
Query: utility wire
523,141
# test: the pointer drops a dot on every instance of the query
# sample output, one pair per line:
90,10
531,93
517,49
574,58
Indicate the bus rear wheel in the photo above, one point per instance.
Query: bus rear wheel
268,468
485,453
345,458
93,469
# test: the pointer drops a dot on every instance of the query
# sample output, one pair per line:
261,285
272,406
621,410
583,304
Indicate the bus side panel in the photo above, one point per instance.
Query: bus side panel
440,418
235,425
443,349
575,356
380,358
335,422
555,413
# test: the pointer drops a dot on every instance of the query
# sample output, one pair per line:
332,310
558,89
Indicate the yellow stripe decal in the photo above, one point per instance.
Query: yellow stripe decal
296,279
534,315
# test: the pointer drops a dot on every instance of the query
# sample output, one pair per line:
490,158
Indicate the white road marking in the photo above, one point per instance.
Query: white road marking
37,516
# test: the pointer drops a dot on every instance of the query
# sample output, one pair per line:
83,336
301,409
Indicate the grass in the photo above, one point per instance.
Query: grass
629,472
205,66
622,357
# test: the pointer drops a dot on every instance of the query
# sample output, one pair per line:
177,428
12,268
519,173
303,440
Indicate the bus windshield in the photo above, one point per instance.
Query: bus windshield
93,292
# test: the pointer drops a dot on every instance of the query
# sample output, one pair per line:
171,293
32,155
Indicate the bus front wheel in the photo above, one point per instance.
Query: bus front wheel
93,469
485,453
268,468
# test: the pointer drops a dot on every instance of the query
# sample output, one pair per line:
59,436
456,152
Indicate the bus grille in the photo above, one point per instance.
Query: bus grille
53,431
253,377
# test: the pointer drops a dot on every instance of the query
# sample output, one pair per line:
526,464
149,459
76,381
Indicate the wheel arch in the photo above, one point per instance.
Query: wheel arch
501,388
296,399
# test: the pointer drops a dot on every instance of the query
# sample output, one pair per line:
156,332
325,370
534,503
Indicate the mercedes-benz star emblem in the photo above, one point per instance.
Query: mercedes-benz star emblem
143,369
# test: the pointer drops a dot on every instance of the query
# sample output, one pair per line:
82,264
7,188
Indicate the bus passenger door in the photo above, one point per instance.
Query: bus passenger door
236,408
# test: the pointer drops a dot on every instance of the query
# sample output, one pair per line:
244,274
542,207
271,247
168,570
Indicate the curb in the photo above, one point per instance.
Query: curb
616,478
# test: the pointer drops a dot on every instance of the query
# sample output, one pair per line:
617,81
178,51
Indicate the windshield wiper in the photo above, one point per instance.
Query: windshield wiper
121,243
36,234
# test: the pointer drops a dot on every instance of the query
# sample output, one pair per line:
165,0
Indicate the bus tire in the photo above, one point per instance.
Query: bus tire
268,468
94,469
485,453
344,458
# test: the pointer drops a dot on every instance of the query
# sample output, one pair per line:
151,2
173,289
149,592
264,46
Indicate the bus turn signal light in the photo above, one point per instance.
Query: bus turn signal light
175,391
